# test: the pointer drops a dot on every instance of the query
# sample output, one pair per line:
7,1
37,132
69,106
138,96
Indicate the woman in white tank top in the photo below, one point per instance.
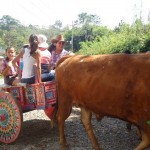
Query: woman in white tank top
31,56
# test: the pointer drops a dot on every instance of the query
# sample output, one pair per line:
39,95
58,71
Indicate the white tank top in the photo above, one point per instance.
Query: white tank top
28,62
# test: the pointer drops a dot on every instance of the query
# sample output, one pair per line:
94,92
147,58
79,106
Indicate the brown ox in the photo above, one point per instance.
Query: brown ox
109,85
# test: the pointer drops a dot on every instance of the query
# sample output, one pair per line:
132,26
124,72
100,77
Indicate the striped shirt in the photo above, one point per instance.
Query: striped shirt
56,57
12,71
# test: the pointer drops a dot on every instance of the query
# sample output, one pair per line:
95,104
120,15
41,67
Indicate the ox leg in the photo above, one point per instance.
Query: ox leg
86,120
63,114
98,116
145,143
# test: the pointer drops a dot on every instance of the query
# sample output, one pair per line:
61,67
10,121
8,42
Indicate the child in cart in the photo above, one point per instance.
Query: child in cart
8,71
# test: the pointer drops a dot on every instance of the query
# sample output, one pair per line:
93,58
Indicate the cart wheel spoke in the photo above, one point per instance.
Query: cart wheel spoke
10,118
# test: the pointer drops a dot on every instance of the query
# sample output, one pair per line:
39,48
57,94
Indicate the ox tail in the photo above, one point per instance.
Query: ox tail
55,112
54,115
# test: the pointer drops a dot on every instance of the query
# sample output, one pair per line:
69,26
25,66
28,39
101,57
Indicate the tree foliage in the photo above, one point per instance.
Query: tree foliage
134,38
86,35
85,18
8,23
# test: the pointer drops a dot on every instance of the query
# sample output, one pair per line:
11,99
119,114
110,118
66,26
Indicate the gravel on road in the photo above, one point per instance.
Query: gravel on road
38,135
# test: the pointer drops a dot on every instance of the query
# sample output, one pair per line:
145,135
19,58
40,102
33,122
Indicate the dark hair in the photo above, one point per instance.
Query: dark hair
51,48
9,48
33,40
7,59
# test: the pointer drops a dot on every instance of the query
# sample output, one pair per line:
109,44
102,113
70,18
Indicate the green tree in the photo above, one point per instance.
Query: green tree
58,24
8,23
85,18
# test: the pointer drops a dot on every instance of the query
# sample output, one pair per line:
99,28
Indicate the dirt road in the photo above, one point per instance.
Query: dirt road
37,135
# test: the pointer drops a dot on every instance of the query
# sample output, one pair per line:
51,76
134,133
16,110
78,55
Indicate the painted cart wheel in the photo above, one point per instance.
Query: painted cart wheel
10,118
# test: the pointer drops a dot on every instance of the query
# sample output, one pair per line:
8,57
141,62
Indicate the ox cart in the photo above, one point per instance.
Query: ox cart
16,100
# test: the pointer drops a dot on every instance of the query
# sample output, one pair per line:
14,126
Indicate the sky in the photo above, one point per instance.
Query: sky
46,12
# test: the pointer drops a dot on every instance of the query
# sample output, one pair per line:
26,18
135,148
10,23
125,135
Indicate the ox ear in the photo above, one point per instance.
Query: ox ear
63,59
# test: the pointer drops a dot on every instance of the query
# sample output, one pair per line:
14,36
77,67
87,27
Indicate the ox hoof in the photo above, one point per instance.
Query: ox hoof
128,127
65,147
97,148
53,123
139,134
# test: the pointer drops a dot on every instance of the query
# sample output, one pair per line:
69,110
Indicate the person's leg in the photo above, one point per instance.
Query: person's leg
9,80
48,76
16,81
28,80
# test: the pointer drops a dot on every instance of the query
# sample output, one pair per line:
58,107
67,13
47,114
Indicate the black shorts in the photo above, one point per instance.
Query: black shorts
9,79
28,80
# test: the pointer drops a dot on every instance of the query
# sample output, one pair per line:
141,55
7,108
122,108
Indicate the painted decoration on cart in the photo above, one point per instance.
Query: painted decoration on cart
50,97
10,118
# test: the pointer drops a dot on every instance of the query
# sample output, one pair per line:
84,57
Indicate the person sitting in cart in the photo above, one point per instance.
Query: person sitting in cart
52,47
47,74
8,71
31,56
59,51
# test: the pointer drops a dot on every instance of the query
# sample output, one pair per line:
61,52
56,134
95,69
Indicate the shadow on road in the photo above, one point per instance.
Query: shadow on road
37,134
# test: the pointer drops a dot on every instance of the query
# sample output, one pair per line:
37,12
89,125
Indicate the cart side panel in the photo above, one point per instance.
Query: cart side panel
50,97
40,96
30,101
50,93
35,96
18,93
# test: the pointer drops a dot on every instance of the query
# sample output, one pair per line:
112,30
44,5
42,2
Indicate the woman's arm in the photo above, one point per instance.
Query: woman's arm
38,59
16,59
20,55
6,70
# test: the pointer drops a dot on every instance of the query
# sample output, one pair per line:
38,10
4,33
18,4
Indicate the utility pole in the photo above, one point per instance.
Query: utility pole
141,7
72,36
